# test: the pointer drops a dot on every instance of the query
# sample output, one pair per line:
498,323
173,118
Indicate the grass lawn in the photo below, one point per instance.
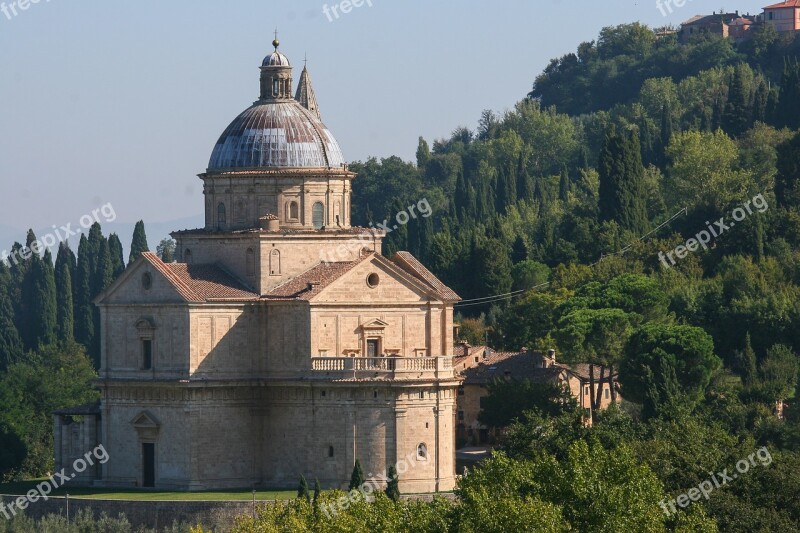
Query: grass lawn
20,488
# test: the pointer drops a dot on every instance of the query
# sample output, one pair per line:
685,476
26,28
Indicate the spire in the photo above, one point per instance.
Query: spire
305,93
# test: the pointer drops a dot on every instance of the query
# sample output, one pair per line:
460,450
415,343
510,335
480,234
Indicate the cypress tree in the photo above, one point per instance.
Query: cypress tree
524,184
748,363
302,489
519,251
317,491
357,478
84,323
64,304
788,107
622,189
11,349
564,185
736,118
139,243
43,313
760,101
100,280
393,485
787,181
460,197
117,256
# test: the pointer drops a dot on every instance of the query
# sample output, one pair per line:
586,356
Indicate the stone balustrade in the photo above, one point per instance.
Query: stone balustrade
383,367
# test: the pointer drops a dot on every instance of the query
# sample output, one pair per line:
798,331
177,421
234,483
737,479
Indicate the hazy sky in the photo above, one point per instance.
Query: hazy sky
122,102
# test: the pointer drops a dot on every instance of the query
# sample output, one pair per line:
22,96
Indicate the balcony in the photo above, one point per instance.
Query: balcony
440,367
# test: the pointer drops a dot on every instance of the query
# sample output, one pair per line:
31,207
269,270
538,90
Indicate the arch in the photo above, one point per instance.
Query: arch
221,216
294,211
251,263
337,212
187,256
422,451
275,263
318,215
241,212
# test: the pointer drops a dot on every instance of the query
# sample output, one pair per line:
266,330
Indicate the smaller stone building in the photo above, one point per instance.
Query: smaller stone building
480,367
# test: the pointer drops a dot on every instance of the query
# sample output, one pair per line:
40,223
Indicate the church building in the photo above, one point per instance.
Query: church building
281,342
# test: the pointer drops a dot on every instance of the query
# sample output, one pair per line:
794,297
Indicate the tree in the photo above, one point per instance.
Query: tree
12,452
492,268
139,243
393,484
84,321
622,193
166,250
11,348
423,154
357,478
662,360
64,303
738,109
42,294
317,491
747,362
302,489
787,181
509,400
778,373
117,257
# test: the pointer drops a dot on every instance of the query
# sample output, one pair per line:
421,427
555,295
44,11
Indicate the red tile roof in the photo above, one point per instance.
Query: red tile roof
312,282
201,283
410,264
788,3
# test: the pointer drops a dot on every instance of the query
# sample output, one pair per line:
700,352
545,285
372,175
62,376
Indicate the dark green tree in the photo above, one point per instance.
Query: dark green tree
117,255
139,243
64,304
11,348
166,250
12,451
41,289
302,489
787,181
423,154
393,484
317,491
747,362
622,187
357,478
738,109
84,321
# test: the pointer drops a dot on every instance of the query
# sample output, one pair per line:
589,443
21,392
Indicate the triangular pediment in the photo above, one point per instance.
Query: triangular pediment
145,420
375,324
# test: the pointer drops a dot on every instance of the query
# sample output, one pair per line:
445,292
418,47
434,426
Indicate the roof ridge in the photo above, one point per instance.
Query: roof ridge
182,288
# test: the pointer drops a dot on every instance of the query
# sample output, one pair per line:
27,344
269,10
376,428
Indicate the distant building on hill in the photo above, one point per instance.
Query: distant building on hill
731,25
482,365
783,16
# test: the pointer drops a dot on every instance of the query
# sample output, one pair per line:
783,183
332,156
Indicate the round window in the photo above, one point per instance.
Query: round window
373,280
147,281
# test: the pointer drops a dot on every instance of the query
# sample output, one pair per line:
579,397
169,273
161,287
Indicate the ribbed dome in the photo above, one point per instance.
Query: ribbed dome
275,59
276,134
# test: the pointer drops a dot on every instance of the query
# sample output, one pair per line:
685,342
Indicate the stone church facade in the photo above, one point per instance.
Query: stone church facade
254,358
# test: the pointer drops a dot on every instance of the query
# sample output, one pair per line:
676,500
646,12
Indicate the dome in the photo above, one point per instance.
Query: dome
276,59
280,134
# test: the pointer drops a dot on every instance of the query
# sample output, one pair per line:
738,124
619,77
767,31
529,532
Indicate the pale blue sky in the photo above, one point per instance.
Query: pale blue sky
122,102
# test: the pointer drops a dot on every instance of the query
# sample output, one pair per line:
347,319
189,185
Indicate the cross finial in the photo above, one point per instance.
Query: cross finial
305,60
276,42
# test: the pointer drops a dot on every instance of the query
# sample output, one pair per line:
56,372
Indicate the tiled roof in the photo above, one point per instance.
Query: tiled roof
711,19
788,3
410,264
581,370
515,365
201,283
312,282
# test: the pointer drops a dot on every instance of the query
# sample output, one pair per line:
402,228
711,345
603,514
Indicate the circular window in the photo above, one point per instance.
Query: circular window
147,281
373,280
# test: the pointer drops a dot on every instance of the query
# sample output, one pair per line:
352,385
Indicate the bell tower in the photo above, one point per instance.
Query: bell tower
276,76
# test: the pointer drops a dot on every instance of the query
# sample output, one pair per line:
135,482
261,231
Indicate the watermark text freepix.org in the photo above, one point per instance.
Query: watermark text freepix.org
58,235
345,6
665,6
714,230
10,10
59,479
705,488
345,250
